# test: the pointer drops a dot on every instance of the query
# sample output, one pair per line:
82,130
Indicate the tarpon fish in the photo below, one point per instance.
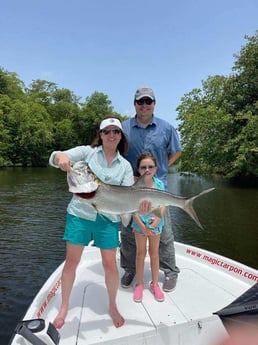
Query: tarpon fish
122,200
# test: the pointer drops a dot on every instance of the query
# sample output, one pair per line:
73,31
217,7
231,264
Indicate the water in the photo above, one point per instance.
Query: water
32,207
228,214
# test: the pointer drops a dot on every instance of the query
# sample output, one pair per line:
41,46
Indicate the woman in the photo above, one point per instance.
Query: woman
104,158
148,227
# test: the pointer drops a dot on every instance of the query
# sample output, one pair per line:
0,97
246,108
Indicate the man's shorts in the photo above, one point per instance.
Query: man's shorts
81,231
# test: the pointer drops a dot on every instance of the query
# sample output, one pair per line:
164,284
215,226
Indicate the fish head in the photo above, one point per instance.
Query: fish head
81,179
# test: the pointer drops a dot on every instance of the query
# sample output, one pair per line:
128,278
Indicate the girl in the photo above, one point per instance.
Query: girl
148,226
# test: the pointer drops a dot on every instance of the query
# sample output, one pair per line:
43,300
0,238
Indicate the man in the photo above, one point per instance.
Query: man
145,132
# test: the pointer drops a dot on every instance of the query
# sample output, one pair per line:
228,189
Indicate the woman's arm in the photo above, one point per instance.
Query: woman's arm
63,161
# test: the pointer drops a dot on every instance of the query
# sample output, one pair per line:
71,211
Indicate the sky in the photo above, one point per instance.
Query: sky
116,46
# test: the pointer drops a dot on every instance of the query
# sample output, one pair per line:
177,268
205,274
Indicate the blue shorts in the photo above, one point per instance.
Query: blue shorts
157,231
81,231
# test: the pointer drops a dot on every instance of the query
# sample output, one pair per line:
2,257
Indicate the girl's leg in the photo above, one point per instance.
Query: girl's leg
73,256
141,250
112,281
154,258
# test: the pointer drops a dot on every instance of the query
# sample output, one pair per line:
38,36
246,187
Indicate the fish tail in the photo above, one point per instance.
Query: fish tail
189,209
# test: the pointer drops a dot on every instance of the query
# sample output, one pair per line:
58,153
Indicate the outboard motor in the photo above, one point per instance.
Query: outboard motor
38,332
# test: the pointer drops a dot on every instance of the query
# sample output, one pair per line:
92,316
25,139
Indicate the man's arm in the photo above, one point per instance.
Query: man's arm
172,157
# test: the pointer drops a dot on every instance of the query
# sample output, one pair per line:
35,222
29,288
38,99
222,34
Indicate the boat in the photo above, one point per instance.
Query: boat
192,314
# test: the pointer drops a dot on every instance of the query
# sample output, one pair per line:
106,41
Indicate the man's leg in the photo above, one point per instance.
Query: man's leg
167,254
127,255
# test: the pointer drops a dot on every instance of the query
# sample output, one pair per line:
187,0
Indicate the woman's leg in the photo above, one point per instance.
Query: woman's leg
154,258
73,256
112,281
141,250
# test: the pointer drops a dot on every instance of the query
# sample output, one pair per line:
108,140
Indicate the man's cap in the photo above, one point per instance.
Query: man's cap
144,91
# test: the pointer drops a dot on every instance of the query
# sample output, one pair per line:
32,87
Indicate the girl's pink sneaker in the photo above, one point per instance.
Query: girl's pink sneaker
158,294
138,291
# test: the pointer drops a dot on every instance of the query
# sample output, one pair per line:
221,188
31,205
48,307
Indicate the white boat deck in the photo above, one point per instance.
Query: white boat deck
207,282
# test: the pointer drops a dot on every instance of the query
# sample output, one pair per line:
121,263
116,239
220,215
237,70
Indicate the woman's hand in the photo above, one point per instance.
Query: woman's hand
63,161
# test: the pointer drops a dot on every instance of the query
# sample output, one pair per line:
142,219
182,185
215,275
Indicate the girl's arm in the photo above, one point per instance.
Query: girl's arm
144,229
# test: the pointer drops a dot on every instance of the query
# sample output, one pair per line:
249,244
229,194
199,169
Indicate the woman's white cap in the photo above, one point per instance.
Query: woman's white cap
110,122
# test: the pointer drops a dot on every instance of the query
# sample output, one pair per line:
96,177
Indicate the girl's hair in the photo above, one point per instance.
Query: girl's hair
145,155
123,144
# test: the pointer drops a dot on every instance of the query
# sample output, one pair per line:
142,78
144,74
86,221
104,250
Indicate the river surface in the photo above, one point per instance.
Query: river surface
32,215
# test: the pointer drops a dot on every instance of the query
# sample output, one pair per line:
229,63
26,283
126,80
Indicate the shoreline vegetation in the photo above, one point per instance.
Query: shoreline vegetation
218,123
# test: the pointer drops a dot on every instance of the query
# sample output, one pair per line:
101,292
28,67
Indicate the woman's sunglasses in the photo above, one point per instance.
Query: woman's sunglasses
114,131
147,101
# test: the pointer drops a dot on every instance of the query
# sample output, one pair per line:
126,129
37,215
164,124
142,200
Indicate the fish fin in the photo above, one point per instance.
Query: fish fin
126,218
157,212
188,207
140,182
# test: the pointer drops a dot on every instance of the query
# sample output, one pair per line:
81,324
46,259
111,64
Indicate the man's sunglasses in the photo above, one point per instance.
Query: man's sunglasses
147,101
147,167
114,131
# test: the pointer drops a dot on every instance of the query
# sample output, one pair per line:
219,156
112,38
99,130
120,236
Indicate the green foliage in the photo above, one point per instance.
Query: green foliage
10,84
42,118
64,135
28,135
219,123
41,91
96,107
